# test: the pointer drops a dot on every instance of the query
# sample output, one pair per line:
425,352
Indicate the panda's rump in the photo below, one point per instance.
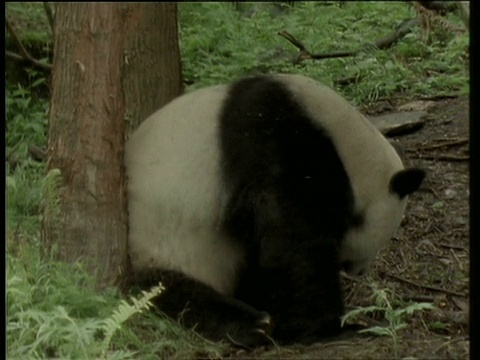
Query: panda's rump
172,242
176,226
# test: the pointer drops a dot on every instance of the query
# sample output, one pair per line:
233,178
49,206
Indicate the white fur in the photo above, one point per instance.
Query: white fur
176,198
370,161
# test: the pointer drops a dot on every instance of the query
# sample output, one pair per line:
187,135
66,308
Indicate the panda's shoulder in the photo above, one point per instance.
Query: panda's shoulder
303,90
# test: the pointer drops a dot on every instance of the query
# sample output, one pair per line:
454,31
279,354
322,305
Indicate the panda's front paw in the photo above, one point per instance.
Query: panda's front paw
250,333
265,323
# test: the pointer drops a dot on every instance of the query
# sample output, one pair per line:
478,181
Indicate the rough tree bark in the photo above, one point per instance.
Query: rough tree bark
112,62
152,57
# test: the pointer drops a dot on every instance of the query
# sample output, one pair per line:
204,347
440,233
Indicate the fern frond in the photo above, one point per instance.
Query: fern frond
125,311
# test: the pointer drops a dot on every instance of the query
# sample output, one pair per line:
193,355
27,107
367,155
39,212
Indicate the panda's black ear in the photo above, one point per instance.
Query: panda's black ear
406,181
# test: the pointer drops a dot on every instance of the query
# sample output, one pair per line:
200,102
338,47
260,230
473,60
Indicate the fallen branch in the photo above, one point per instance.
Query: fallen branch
347,80
428,287
24,54
446,139
419,298
305,54
450,342
36,63
437,146
384,43
37,153
420,98
400,32
442,157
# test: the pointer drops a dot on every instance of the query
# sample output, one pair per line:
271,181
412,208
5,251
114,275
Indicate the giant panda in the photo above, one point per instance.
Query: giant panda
247,200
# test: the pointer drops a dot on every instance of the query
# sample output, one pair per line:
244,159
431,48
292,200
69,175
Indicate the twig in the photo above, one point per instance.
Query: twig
446,139
459,263
293,40
440,97
450,342
348,277
428,287
37,153
402,30
24,55
442,157
433,191
454,247
445,144
305,54
348,80
421,98
441,142
384,43
419,298
16,57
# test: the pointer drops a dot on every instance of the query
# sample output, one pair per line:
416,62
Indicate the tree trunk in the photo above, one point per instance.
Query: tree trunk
110,64
153,73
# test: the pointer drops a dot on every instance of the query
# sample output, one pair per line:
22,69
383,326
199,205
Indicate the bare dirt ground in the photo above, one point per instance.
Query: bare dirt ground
428,261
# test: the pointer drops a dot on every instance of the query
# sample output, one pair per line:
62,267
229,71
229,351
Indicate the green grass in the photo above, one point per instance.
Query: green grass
52,308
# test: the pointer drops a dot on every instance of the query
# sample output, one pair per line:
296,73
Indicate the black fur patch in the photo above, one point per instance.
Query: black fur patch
196,305
290,204
407,181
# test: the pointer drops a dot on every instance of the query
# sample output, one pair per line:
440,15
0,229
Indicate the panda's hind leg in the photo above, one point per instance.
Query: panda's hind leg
198,306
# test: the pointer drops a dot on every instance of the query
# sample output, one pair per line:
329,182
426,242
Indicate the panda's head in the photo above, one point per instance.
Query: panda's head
380,219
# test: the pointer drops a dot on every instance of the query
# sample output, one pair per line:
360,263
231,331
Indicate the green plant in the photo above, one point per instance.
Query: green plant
394,316
56,331
124,311
26,118
54,311
23,196
26,125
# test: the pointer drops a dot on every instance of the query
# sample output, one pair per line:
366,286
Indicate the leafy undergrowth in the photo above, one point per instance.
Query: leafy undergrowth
53,311
220,43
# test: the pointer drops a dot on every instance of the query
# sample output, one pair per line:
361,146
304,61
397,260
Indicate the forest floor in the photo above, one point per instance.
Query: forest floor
427,262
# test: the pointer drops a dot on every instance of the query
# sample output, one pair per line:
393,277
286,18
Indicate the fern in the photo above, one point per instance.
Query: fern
125,311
